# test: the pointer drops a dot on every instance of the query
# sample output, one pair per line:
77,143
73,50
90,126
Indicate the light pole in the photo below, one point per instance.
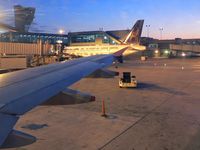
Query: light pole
148,27
161,31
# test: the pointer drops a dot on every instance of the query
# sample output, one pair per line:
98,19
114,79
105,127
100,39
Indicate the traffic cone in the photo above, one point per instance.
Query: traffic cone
103,109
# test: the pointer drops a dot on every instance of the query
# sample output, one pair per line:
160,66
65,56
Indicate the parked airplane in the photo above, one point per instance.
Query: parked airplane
131,40
21,91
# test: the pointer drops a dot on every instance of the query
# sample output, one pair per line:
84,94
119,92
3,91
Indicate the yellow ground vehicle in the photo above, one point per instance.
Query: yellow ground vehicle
127,81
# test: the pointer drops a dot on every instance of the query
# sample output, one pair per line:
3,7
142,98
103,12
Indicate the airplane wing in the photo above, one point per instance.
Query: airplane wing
21,91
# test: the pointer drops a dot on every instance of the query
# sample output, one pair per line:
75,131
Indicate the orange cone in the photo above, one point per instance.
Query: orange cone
103,109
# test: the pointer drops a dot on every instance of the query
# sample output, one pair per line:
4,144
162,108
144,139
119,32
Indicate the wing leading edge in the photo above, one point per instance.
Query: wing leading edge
21,91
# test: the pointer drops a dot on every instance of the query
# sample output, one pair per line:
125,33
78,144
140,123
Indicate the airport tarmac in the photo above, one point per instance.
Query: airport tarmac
161,114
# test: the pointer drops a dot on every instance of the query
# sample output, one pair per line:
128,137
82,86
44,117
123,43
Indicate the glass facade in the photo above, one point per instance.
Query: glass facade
90,37
32,37
82,38
94,37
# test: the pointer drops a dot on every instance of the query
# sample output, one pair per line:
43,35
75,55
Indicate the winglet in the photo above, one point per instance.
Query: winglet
120,52
118,55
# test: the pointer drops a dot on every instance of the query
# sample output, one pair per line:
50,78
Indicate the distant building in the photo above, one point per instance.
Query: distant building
93,38
171,47
72,38
165,44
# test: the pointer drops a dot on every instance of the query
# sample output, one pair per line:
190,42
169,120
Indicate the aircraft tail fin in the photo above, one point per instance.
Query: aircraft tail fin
133,37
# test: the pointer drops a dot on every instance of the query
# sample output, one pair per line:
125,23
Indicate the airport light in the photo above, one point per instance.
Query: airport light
183,54
166,52
59,41
61,31
156,51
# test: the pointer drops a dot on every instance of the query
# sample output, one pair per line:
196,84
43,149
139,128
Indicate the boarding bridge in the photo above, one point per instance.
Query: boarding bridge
23,55
11,48
186,48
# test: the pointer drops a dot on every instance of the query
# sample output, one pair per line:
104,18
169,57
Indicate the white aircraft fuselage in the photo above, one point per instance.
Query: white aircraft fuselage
85,51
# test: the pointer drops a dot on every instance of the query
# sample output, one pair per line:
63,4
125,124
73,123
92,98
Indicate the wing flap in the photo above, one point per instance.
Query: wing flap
70,97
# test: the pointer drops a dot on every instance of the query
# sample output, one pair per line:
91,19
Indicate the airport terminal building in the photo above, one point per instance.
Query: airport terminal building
72,38
29,37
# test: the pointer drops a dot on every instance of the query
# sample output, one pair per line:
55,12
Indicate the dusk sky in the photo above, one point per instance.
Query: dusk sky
178,18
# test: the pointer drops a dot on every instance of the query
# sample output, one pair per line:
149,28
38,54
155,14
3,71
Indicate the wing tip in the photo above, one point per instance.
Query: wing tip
120,52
